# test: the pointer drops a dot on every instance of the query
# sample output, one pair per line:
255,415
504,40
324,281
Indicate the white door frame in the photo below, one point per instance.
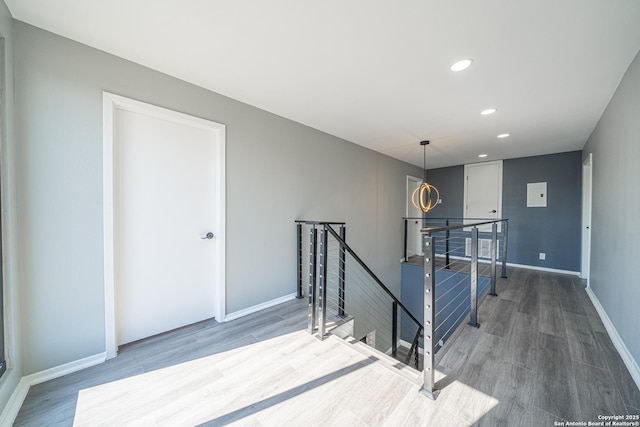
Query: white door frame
110,103
587,192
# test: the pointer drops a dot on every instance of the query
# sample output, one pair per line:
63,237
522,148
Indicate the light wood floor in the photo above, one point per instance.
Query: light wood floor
541,355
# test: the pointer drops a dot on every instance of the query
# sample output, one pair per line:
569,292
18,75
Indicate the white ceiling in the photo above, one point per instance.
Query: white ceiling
376,72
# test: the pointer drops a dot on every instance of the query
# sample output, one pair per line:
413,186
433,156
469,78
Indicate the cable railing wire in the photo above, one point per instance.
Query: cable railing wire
453,311
445,294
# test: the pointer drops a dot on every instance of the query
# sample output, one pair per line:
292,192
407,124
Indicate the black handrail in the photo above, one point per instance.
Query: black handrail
371,273
304,221
450,218
455,227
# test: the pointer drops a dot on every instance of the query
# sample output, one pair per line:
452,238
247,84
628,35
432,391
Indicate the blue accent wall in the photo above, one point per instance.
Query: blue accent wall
554,230
449,182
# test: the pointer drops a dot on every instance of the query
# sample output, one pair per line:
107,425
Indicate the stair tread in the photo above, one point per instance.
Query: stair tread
385,360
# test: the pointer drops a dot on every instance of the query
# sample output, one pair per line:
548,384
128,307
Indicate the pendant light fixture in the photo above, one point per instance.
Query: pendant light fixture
426,196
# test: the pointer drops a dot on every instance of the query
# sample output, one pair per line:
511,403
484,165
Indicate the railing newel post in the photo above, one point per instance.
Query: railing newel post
322,288
473,318
494,248
342,272
428,387
446,249
299,247
394,329
505,237
313,240
406,239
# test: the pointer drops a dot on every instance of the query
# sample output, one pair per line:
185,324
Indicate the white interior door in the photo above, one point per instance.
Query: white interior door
586,216
164,204
483,191
414,241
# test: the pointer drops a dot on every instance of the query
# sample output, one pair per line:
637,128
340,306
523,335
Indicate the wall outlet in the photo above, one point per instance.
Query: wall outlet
542,256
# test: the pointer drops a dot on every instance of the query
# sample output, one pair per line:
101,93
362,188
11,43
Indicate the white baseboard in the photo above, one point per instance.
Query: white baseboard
627,358
10,411
550,270
253,309
67,368
14,404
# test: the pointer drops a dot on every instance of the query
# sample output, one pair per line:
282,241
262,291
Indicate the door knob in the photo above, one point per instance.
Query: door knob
493,211
209,236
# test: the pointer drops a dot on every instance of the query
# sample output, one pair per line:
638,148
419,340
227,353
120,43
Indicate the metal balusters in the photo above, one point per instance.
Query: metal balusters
429,246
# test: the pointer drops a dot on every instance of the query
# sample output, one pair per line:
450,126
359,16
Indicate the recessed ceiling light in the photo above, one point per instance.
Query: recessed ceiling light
503,135
488,111
463,64
482,155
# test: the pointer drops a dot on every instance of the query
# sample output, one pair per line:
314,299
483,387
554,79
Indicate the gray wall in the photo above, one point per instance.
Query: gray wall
554,230
294,172
615,235
10,379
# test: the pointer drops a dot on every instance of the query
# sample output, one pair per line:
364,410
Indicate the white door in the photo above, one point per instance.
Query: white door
586,216
165,201
414,240
483,192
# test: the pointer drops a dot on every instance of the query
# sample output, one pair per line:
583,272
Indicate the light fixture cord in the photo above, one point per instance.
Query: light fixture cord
424,161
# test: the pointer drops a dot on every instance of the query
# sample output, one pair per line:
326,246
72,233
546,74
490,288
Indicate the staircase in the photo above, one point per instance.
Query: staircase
346,299
369,313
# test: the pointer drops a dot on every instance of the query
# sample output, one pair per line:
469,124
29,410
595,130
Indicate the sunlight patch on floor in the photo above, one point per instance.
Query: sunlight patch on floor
206,388
466,402
293,379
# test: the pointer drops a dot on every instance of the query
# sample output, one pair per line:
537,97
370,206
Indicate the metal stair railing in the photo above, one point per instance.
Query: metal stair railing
342,288
367,301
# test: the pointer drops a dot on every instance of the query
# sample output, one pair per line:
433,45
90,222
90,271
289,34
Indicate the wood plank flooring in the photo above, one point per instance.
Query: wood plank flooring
541,355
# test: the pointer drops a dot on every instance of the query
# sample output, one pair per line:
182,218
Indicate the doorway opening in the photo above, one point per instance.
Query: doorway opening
587,177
